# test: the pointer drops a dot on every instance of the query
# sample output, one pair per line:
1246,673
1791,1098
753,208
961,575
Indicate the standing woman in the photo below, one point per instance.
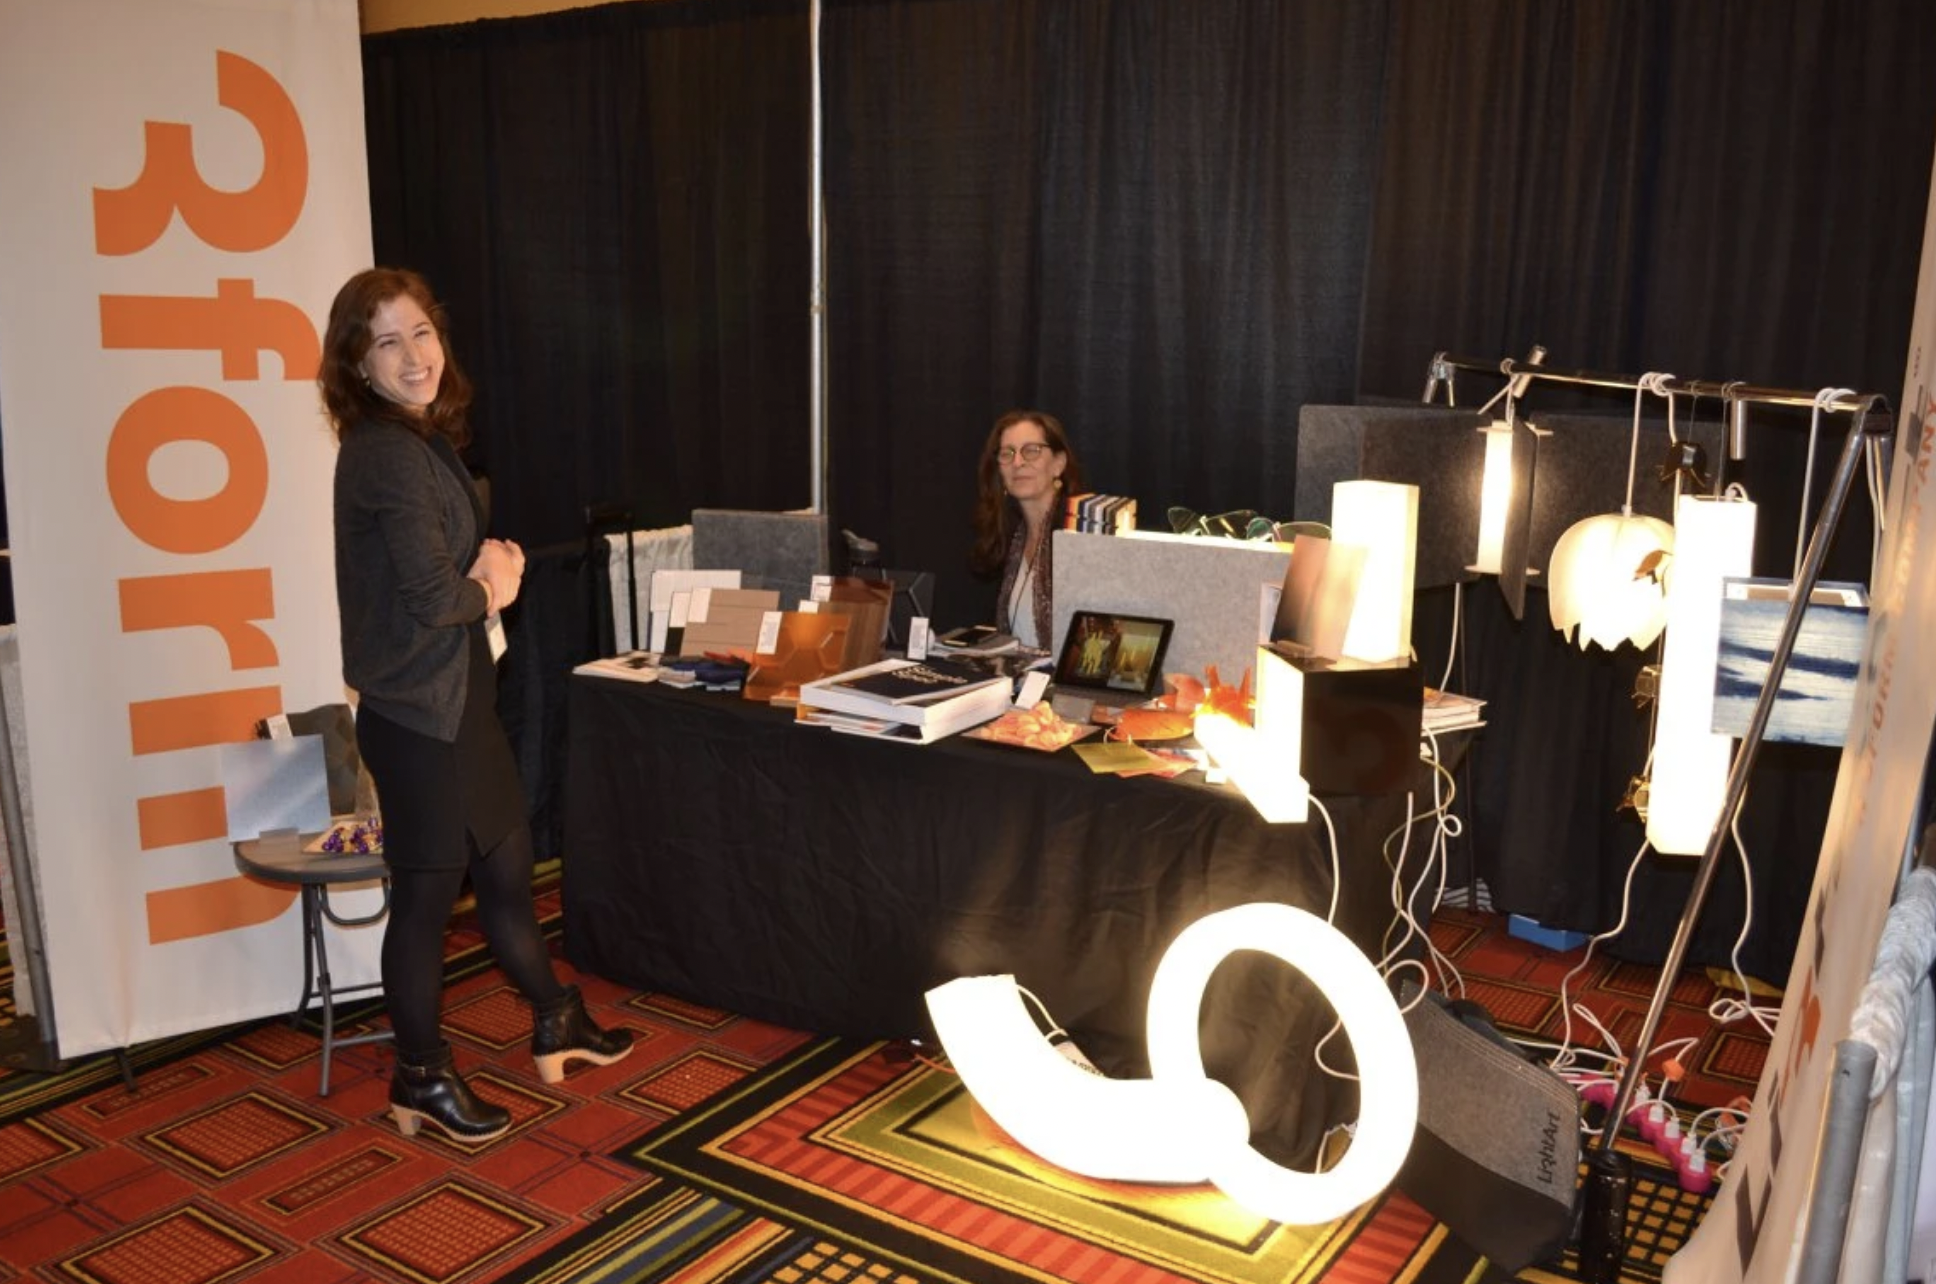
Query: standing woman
1026,471
416,583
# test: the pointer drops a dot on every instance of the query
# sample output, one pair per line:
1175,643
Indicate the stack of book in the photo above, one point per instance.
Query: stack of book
1447,711
977,639
1100,514
913,700
633,666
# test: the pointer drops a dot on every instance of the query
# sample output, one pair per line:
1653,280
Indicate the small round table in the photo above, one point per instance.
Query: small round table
280,858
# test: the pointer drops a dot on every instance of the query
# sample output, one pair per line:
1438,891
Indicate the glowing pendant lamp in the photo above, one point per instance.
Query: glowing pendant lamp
1604,579
1713,539
1179,1125
1495,497
1602,582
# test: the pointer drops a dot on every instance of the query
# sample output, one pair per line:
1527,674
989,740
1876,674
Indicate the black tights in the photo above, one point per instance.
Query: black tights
413,938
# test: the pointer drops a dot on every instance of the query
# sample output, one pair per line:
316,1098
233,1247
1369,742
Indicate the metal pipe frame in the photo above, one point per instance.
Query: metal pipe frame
1860,429
1733,390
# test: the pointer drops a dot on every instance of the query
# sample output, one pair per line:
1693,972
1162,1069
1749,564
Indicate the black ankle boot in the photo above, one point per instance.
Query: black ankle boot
560,1031
432,1089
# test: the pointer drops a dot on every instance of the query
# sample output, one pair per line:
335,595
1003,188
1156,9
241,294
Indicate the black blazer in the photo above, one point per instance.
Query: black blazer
408,527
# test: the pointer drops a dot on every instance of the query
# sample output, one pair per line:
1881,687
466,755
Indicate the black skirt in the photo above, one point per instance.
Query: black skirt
437,798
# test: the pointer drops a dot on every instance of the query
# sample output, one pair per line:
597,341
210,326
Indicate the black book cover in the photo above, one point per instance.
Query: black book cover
919,683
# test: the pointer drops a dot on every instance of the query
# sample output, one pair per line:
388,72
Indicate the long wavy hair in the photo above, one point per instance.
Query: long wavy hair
348,397
996,515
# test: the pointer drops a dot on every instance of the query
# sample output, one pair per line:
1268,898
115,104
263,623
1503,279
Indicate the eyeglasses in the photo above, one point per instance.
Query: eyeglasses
1030,452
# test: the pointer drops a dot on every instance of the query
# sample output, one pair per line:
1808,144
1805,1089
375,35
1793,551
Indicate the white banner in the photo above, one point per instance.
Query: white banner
182,189
1754,1229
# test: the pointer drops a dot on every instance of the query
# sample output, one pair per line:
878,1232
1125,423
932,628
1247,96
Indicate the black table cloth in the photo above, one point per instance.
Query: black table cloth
719,852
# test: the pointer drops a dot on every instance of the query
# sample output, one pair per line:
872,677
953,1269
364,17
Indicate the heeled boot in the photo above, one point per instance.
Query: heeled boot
561,1031
431,1089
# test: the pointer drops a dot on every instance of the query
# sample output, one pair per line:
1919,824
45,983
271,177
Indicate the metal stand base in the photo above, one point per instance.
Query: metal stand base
22,1047
1603,1216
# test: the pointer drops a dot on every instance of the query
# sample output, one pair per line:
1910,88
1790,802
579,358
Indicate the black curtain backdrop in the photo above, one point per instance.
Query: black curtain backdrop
1147,218
1173,225
612,204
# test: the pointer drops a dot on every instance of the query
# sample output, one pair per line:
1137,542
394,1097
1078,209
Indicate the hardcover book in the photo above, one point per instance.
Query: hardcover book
916,682
920,721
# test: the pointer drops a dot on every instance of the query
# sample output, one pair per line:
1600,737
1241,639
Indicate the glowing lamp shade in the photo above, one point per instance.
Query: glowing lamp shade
1180,1124
1145,1130
1387,1066
1381,518
1713,539
1265,761
1596,581
1495,498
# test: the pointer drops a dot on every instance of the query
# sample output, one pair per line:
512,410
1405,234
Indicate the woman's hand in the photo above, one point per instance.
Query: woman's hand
500,565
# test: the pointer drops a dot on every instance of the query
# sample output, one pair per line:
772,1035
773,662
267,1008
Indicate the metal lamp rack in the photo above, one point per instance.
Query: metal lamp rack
1737,394
1610,1174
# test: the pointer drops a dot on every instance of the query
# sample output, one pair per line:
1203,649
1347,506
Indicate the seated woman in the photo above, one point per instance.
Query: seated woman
1026,469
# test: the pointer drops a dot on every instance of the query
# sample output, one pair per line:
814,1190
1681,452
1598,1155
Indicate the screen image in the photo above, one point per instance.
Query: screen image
1121,653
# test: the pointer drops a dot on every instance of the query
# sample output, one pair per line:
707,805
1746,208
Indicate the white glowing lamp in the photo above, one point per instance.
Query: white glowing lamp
1179,1124
1382,518
1143,1130
1495,497
1387,1066
1599,581
1713,539
1265,761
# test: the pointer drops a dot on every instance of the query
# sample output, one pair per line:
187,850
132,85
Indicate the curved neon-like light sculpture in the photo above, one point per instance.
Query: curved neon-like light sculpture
1143,1130
1387,1066
1180,1125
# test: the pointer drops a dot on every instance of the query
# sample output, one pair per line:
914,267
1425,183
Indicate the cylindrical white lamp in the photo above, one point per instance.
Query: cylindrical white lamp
1713,539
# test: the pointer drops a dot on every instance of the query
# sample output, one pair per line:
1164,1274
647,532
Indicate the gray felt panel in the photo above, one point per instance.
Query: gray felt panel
780,551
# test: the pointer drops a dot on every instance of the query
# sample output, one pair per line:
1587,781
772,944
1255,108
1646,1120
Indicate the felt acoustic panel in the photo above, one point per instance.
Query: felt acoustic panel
1212,589
1498,1140
780,551
1582,470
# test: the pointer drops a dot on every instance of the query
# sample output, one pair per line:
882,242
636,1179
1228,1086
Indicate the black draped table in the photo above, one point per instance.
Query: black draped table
716,851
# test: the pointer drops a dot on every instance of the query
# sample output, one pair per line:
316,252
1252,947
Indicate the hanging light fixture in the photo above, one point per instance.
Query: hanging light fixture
1713,539
1495,497
1605,576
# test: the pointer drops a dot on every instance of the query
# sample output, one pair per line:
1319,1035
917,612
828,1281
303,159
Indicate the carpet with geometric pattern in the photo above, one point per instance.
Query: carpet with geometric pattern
722,1149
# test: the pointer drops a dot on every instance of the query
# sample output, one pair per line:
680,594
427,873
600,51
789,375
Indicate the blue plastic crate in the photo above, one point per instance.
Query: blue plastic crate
1553,938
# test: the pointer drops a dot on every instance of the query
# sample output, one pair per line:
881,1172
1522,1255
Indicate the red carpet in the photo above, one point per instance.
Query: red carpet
723,1149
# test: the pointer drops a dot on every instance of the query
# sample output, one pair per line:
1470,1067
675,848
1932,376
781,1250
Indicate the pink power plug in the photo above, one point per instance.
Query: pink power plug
1668,1140
1695,1179
1652,1122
